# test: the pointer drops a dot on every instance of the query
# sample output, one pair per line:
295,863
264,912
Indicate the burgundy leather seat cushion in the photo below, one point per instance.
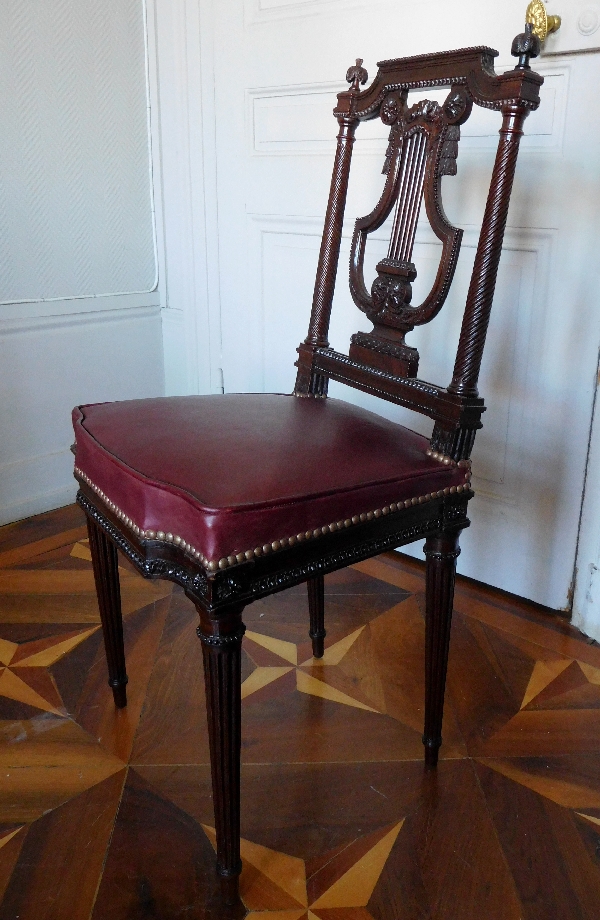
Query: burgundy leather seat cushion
230,473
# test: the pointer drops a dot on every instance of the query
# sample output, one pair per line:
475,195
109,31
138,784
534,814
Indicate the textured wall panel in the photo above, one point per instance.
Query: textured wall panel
75,194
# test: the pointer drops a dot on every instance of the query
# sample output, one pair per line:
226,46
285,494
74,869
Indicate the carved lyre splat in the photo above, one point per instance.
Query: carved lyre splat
423,146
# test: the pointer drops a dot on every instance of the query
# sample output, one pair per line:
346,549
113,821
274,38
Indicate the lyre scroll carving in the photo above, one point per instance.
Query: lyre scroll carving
423,147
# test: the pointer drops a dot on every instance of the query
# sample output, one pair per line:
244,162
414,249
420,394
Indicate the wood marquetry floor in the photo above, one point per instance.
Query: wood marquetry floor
107,815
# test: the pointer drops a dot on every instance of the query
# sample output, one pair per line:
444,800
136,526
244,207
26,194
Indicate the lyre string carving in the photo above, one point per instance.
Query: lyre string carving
423,146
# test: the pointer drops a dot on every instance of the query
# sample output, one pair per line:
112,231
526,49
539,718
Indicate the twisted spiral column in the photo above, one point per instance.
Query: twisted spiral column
485,269
332,234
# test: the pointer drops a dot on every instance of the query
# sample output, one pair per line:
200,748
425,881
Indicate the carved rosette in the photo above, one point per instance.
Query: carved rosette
392,289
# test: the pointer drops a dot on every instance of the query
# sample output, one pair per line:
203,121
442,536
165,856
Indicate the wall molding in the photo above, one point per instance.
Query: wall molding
29,324
103,303
257,12
309,108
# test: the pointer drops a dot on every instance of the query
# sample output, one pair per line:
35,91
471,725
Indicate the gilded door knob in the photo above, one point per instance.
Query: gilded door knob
542,23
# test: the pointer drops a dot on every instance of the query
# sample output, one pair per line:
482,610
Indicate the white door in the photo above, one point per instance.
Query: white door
277,67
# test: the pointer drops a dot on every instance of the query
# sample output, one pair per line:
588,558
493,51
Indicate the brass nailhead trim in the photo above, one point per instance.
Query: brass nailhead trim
227,561
448,461
443,458
144,534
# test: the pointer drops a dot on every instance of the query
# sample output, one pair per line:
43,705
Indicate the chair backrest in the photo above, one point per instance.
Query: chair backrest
423,146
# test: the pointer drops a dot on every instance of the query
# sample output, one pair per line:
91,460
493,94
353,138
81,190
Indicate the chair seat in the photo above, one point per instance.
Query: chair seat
230,477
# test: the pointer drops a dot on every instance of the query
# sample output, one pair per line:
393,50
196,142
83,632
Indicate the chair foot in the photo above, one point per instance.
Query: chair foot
318,644
225,902
432,750
119,689
316,609
229,889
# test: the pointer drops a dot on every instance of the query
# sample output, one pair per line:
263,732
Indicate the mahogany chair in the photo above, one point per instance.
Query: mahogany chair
236,497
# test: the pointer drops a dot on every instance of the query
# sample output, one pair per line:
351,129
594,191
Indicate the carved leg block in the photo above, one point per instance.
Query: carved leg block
316,609
221,648
441,551
106,576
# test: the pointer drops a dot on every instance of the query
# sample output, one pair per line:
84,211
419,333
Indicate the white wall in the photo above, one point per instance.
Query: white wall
586,598
181,38
79,299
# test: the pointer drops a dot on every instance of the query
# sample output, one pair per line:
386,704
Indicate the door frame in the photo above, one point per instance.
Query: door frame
586,579
181,35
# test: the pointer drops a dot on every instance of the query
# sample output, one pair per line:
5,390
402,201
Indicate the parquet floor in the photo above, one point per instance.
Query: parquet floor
107,815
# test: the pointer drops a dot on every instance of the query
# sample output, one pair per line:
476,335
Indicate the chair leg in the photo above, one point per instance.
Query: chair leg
441,551
316,609
106,576
221,649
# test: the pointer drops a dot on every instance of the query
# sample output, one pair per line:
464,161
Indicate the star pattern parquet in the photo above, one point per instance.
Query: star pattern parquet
107,815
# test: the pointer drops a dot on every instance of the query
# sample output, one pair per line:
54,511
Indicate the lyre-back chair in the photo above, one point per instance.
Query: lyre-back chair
236,497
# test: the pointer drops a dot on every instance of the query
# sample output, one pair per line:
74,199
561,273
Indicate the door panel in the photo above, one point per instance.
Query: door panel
278,66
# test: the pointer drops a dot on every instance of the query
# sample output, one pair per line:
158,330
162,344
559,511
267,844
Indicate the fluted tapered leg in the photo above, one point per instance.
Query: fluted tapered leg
441,551
221,648
106,576
316,609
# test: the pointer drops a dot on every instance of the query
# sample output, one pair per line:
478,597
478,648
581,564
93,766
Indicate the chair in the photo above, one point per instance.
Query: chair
229,497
